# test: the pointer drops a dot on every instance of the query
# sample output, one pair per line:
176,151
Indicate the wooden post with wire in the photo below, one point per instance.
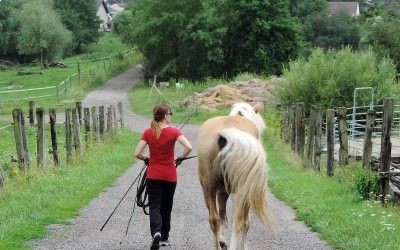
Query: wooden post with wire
41,139
330,116
317,139
68,135
95,123
86,120
101,121
76,132
367,147
53,135
386,147
343,139
121,115
16,113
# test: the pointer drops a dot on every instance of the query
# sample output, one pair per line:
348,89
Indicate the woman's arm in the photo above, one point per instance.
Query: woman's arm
187,147
139,150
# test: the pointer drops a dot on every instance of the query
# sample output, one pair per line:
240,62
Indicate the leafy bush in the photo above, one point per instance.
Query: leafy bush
328,79
366,183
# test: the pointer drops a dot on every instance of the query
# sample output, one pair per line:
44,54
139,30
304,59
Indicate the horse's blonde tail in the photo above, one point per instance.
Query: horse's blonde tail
242,162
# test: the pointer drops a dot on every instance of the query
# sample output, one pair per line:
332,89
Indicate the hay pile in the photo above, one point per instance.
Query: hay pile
224,95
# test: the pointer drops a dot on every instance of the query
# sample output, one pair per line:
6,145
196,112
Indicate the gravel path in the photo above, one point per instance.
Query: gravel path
190,229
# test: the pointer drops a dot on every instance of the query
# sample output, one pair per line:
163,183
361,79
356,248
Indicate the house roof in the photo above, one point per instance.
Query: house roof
351,8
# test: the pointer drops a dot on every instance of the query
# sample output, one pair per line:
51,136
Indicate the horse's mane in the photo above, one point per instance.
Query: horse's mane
250,112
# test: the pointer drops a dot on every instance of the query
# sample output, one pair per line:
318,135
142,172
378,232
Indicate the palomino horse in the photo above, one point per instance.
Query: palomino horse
231,159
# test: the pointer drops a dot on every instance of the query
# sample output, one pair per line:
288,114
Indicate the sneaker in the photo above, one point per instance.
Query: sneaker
155,243
165,243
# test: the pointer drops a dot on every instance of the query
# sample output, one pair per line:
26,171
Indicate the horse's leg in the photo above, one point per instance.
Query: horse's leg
222,197
245,228
210,198
240,224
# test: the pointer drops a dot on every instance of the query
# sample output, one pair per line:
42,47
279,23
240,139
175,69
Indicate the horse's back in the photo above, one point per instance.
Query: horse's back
207,139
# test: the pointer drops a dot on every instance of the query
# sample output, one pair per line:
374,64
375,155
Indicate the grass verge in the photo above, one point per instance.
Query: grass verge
39,198
330,206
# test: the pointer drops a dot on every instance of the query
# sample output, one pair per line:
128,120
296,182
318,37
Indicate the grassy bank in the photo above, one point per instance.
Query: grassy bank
38,198
331,206
102,60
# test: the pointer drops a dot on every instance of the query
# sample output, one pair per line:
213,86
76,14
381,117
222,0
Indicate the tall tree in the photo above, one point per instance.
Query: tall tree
42,32
384,36
302,9
262,36
336,30
9,26
179,39
80,18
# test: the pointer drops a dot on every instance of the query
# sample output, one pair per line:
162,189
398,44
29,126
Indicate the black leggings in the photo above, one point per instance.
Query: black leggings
161,196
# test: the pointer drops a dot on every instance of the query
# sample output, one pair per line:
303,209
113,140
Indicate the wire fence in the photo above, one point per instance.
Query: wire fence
58,91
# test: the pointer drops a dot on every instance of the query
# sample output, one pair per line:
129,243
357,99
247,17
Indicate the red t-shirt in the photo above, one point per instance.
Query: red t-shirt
162,152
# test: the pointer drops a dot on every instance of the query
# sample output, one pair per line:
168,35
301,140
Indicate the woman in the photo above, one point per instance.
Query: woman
161,172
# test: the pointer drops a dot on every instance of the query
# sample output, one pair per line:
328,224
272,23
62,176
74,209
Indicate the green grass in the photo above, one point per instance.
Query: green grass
142,99
38,198
111,60
331,206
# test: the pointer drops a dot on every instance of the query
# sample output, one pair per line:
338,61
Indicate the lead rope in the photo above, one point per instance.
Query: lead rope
140,202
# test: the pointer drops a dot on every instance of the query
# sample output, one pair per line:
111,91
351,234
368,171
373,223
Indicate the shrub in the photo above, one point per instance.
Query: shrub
366,183
329,79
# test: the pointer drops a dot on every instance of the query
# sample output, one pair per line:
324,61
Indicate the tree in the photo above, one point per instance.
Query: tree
80,18
331,30
9,26
178,39
328,78
261,36
384,35
41,32
305,8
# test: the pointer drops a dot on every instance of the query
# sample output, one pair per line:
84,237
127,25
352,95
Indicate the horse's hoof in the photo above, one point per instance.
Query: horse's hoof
223,245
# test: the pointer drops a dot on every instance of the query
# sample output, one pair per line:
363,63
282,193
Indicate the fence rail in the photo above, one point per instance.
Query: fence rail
58,91
370,134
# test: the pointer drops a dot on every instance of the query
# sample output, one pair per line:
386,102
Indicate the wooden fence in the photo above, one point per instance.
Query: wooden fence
305,134
94,122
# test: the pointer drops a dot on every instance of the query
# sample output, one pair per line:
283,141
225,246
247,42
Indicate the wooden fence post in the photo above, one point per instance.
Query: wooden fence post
343,139
114,112
31,113
78,106
284,125
101,121
95,123
310,135
367,147
68,135
53,135
40,139
76,132
292,128
109,117
121,115
386,147
317,139
24,140
16,113
330,115
86,119
300,129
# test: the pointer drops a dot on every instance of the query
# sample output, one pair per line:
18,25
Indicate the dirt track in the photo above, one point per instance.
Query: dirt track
190,229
